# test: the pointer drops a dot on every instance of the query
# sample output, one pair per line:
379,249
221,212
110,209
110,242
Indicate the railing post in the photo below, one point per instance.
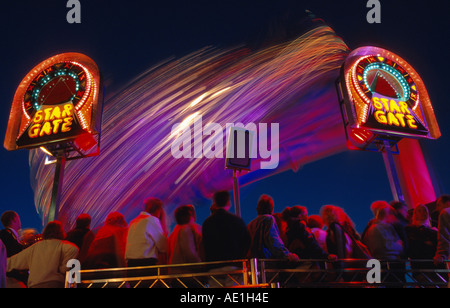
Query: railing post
254,270
448,274
245,270
262,270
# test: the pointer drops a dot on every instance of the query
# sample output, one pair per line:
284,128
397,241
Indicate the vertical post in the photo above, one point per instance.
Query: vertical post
392,172
57,188
237,206
254,270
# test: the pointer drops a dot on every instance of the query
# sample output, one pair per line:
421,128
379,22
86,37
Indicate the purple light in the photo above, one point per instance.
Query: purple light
291,84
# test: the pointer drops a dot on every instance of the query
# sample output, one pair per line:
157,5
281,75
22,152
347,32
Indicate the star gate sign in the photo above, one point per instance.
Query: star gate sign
383,95
57,102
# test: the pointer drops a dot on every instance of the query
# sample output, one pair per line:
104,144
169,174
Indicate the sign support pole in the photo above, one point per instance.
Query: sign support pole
392,172
57,188
237,206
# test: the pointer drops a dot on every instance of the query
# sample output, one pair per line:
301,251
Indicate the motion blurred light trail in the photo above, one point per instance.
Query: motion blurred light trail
292,84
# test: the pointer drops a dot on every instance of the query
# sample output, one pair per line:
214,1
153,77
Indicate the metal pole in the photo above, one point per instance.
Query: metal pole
237,206
57,188
254,270
392,172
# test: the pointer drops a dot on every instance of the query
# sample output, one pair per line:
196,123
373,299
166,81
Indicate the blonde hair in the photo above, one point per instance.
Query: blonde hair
334,214
416,221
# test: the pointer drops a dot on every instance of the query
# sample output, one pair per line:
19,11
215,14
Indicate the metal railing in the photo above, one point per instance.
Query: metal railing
353,273
264,273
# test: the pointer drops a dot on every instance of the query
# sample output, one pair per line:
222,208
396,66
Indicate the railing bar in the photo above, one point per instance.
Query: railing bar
428,277
214,278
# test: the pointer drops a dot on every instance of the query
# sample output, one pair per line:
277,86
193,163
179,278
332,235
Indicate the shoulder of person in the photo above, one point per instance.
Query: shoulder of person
69,246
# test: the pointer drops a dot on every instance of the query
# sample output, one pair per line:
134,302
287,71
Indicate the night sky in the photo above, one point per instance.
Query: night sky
126,37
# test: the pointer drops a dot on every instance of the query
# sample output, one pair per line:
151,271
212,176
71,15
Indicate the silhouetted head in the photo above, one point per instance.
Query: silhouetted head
265,205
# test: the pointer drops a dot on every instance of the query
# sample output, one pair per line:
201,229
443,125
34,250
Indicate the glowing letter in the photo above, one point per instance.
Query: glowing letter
401,118
393,106
48,113
67,111
374,15
73,15
411,121
380,117
385,102
33,132
56,124
373,275
66,126
392,119
404,108
56,113
38,117
46,129
376,103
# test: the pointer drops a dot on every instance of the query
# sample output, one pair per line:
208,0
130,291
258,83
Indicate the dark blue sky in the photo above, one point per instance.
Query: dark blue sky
127,37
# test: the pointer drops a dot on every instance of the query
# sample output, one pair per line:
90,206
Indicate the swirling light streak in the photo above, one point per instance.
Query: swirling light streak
292,84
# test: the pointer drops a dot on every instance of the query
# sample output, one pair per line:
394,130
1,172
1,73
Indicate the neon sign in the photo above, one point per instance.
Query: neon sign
56,102
384,95
52,121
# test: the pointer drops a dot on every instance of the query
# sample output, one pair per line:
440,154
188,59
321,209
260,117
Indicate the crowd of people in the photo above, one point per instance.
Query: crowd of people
394,233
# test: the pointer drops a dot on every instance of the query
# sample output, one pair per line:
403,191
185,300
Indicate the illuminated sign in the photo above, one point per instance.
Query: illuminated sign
50,122
56,102
384,95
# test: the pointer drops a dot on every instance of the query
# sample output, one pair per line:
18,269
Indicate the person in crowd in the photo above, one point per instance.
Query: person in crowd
11,239
156,209
185,245
47,259
281,225
422,239
401,220
10,234
82,227
374,209
225,236
266,242
300,239
441,203
316,225
381,237
340,230
302,242
341,236
108,247
385,244
401,211
443,244
3,261
185,241
146,238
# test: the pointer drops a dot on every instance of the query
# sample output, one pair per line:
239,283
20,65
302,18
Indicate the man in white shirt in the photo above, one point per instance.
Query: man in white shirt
146,238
